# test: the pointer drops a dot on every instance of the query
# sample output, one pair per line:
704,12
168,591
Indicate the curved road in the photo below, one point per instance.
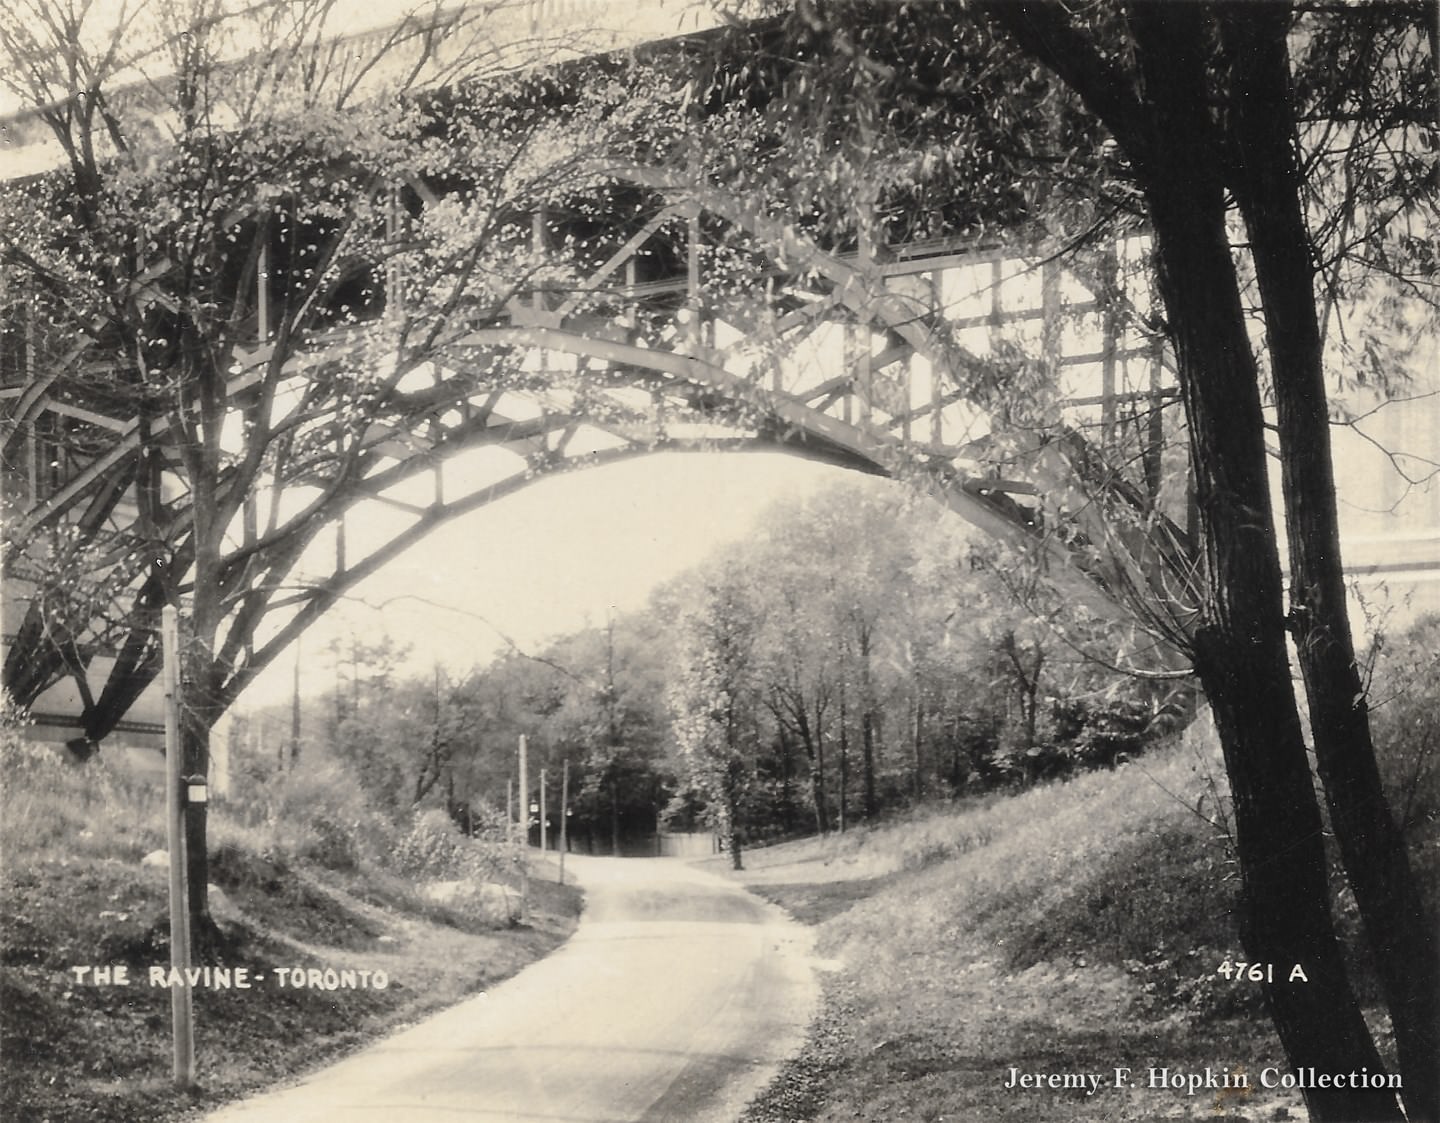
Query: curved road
675,1001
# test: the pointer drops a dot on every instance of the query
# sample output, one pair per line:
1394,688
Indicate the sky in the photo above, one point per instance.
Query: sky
585,24
562,552
550,559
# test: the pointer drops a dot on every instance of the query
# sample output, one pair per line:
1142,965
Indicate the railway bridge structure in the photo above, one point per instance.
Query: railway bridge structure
1024,384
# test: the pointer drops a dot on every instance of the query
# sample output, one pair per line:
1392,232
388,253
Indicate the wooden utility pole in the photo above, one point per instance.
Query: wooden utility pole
294,715
181,1010
544,826
524,834
564,816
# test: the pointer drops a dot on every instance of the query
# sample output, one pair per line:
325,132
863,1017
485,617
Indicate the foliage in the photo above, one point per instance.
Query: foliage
228,243
859,103
865,115
1115,956
605,714
639,707
714,697
1405,701
103,1053
318,812
56,808
434,848
1206,106
1105,731
1366,106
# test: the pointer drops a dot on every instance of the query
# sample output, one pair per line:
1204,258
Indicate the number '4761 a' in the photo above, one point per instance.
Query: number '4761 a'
1260,972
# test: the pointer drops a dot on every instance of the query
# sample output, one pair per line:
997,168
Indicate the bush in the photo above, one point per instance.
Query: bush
435,848
54,805
432,848
20,758
1405,697
1099,733
316,812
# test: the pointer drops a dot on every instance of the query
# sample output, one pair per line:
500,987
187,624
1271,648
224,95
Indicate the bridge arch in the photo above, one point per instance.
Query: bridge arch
903,368
909,346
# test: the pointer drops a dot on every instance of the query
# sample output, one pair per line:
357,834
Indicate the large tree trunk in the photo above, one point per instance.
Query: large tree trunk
1169,134
199,712
1266,180
1240,652
1241,660
201,678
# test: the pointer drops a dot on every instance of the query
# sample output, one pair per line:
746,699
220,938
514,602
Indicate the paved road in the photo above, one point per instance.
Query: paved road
674,1002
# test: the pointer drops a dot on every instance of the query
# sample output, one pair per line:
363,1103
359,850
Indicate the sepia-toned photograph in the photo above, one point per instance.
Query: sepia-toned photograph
720,561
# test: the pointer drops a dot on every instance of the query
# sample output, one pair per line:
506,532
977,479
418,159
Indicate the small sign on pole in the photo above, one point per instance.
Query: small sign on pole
181,1010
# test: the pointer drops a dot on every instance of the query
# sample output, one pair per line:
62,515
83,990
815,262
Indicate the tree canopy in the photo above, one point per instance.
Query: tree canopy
278,275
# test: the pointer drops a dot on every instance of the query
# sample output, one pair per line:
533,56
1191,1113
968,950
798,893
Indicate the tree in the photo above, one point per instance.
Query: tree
1407,726
1161,115
840,608
609,718
363,670
230,264
1184,158
1263,165
800,664
715,699
405,745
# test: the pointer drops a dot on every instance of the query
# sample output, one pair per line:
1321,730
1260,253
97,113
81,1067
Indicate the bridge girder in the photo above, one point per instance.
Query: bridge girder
890,312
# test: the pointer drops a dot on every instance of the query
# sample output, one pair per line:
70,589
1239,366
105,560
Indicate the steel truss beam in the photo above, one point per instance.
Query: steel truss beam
688,383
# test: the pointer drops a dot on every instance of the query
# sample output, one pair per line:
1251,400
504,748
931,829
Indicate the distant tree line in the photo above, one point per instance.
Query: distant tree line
858,653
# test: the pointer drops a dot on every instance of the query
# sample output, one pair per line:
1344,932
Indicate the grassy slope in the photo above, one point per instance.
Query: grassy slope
1072,928
73,896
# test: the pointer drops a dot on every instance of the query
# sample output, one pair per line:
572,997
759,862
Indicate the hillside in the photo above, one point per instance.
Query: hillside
1073,929
336,948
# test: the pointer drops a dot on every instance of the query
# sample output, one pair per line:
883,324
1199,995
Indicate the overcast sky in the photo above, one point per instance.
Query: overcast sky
550,559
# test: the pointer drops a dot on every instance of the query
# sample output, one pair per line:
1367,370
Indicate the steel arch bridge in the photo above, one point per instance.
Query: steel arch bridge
895,360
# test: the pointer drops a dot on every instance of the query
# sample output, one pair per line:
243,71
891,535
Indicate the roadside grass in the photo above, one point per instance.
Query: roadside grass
817,903
1073,928
74,893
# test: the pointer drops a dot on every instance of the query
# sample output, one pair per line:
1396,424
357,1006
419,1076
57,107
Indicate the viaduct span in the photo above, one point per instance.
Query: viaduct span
668,313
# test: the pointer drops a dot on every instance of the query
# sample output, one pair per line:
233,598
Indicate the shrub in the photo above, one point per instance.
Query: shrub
21,758
435,848
1405,698
316,812
1101,732
53,804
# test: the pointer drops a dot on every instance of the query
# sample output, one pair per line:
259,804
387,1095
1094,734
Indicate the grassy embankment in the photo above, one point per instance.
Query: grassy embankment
1074,928
73,892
